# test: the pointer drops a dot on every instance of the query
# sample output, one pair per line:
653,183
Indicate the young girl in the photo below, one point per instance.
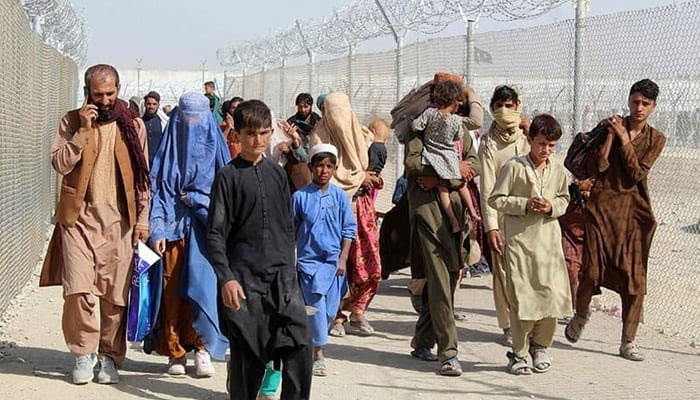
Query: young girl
441,129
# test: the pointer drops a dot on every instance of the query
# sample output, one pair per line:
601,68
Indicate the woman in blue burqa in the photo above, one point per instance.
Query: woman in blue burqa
190,153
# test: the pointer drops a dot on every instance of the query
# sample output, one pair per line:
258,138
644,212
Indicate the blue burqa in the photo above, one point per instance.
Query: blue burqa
190,153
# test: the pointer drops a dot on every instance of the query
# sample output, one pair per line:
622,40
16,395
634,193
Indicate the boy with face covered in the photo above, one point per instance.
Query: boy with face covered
505,139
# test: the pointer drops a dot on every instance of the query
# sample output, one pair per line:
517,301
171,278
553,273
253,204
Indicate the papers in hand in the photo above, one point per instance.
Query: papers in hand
142,301
146,254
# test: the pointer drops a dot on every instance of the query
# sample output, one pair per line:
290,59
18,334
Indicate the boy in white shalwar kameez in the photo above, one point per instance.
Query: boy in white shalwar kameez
531,192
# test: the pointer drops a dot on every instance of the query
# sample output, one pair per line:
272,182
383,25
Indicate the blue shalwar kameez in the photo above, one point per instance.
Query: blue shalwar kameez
322,221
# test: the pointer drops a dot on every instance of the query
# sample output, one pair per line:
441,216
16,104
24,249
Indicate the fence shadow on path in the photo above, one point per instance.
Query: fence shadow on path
139,378
366,355
498,391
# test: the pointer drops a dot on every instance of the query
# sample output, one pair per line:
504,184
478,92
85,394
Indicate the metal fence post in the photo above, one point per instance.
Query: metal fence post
283,71
262,82
470,59
577,125
351,51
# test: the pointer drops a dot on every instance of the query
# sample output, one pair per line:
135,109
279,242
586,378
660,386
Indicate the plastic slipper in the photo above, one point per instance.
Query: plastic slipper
424,354
574,328
337,330
451,367
517,365
631,352
541,361
319,368
363,327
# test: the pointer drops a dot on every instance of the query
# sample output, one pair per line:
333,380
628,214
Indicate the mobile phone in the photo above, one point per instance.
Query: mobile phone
86,92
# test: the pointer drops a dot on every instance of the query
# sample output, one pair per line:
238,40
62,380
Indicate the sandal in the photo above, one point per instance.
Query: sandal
451,367
337,330
631,352
507,339
517,365
363,326
541,361
424,354
574,328
319,368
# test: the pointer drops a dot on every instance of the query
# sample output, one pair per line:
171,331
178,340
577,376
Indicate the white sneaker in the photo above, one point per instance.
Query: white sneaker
176,366
83,372
202,364
108,371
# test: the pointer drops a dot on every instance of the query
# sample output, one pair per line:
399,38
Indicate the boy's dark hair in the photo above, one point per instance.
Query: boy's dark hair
317,158
252,114
445,93
545,124
503,93
305,98
647,88
210,84
236,99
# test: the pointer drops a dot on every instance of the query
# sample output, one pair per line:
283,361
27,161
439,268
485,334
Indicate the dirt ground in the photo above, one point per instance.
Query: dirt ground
34,363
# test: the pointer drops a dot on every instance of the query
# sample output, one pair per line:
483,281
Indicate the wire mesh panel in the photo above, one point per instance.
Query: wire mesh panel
37,85
661,43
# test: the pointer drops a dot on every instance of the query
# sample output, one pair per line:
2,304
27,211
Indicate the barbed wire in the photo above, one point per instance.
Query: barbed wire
59,26
364,20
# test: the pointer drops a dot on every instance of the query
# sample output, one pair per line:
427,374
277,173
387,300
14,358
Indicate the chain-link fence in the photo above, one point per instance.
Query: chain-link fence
37,85
616,50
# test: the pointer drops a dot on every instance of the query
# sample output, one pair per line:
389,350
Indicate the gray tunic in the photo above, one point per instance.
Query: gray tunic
439,134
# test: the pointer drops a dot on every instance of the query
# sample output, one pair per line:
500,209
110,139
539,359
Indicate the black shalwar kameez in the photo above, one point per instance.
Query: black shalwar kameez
251,240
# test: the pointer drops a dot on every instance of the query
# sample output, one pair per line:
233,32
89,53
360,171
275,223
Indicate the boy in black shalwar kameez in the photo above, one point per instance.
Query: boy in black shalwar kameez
251,244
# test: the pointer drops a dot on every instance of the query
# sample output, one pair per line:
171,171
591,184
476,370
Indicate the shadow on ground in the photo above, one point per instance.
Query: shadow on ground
140,378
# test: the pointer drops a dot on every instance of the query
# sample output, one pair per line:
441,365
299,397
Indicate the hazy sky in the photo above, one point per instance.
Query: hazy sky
179,34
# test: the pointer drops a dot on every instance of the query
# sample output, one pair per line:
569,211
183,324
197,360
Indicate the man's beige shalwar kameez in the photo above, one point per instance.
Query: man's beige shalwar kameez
493,154
95,251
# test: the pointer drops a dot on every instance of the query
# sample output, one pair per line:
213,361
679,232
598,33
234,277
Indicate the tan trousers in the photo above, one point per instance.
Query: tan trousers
82,332
499,290
541,332
176,335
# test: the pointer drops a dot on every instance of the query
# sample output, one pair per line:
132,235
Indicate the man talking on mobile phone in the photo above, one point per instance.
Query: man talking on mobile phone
101,151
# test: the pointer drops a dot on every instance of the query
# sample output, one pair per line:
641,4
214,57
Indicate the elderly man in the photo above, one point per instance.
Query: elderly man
101,215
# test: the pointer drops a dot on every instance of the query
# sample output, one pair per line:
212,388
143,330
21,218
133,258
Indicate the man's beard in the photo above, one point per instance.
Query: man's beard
104,115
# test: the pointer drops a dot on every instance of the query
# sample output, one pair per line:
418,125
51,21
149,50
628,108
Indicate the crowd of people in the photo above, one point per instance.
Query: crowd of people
269,239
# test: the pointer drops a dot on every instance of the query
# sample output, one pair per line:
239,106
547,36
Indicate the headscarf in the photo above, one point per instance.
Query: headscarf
138,102
506,121
279,135
320,99
341,128
124,117
191,151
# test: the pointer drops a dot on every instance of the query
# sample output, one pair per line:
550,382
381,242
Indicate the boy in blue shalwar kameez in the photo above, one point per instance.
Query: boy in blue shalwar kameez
325,227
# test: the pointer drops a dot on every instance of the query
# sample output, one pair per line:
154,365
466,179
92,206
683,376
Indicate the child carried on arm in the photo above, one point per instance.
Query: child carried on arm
441,128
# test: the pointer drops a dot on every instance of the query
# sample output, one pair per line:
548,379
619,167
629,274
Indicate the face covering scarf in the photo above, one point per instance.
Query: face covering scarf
506,123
